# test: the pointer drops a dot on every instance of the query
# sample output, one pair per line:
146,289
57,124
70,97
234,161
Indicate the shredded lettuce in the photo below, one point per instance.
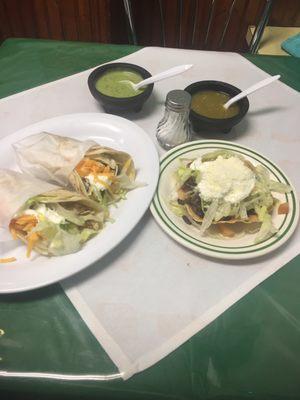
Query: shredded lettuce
78,224
267,228
177,209
213,155
101,196
243,211
64,243
260,200
279,187
183,173
126,183
208,217
72,216
224,210
263,177
118,191
86,234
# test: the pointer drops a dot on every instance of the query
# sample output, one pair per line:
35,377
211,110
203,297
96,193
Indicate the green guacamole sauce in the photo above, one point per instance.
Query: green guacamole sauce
210,104
110,83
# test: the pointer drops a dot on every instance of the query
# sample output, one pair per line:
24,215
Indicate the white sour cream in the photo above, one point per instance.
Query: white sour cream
228,179
98,185
43,211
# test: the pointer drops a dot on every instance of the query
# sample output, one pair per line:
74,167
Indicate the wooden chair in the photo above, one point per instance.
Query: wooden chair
208,31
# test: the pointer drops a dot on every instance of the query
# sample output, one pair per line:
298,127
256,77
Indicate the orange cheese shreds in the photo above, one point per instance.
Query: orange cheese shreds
87,166
24,219
32,238
22,226
7,260
13,233
91,167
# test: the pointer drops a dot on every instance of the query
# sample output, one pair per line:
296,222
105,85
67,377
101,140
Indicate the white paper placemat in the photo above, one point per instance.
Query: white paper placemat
150,294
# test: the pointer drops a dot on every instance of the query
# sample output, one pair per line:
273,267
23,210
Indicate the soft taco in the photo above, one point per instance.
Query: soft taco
51,220
101,173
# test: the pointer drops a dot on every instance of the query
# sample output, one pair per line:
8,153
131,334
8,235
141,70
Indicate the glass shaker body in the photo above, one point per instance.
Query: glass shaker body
174,127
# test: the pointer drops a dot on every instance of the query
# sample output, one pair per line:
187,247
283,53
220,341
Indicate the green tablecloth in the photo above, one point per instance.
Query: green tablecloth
252,351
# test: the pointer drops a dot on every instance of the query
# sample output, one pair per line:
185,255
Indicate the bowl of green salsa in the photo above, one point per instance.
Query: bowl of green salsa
110,85
207,112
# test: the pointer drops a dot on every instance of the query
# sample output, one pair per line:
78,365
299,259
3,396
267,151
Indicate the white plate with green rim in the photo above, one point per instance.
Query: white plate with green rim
241,246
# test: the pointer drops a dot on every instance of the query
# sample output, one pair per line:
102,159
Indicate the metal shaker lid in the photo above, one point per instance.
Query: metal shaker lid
178,100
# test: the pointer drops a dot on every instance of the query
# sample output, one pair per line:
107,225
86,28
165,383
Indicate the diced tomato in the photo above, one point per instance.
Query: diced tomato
283,208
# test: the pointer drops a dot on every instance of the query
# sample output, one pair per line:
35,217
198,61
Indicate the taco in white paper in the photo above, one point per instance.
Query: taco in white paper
100,173
51,220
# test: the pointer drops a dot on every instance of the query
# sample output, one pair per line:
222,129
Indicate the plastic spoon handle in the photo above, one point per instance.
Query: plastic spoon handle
251,89
163,75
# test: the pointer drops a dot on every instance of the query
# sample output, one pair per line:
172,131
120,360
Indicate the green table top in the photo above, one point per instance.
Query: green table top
250,352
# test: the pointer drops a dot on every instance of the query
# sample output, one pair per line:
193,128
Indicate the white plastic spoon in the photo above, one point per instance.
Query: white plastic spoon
251,89
162,75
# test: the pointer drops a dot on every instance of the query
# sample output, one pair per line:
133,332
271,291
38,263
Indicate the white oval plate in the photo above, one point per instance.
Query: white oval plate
224,248
107,130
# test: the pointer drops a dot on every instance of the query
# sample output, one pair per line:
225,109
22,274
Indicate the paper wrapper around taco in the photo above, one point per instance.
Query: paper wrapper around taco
50,157
16,189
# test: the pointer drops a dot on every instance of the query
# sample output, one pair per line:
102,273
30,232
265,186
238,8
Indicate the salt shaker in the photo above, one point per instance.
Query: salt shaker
174,128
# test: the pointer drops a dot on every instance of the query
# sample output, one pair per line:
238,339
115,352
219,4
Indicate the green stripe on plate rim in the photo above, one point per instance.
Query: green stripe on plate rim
213,248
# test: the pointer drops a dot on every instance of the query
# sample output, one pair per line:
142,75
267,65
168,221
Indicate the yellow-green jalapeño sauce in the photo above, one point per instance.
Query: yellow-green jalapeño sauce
210,104
111,83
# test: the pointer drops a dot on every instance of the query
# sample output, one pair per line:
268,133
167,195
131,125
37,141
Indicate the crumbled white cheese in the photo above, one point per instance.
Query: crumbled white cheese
44,212
30,212
98,185
228,179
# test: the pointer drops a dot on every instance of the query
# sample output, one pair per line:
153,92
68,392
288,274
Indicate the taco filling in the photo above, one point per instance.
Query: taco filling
221,189
57,223
105,175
